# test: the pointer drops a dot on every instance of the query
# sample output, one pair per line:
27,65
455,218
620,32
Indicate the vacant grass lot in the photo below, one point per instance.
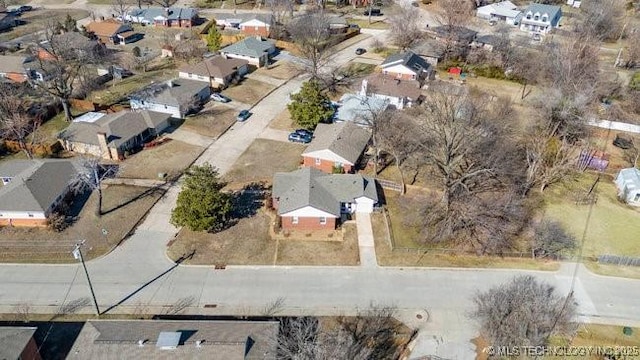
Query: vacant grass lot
263,159
123,207
35,20
604,336
213,121
171,158
282,70
249,91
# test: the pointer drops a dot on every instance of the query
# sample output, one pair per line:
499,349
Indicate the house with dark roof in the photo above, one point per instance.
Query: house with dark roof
218,71
628,184
487,42
107,31
309,199
452,33
429,49
396,92
174,339
111,135
407,66
540,18
32,189
17,342
168,17
7,21
177,97
256,50
336,146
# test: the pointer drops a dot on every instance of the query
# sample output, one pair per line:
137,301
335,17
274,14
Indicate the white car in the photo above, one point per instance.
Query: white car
220,98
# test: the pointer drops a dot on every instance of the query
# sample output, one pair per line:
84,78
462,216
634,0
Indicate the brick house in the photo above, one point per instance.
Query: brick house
336,146
17,342
260,26
309,199
218,71
169,17
32,189
407,66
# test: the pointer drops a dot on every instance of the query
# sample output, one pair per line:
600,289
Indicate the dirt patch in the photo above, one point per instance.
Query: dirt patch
34,21
282,70
123,207
213,121
249,91
321,253
246,242
283,121
263,159
170,158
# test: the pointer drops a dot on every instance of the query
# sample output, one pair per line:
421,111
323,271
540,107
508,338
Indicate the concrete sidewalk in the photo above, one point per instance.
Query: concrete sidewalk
274,134
365,241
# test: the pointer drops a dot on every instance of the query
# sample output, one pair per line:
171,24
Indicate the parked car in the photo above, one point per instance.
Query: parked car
24,8
374,12
243,115
415,4
304,132
360,51
220,98
299,138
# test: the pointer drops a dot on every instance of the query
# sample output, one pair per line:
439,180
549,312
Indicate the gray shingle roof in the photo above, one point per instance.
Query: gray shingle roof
220,340
175,13
35,184
119,127
217,66
550,10
389,86
428,47
180,93
13,340
13,63
344,139
357,108
408,59
249,46
314,188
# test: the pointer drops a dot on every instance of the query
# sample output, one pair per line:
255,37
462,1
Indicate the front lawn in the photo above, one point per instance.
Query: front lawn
170,158
249,91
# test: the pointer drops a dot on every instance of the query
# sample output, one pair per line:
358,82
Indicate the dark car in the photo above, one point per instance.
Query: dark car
374,12
24,8
304,132
300,138
243,115
360,51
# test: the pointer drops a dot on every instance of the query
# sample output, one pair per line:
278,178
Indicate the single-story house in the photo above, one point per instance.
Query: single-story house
176,339
107,31
358,109
15,67
17,342
250,24
75,40
254,49
309,199
540,18
337,146
168,17
431,50
177,97
255,27
32,189
487,42
457,34
398,93
574,3
407,66
218,71
504,11
628,184
111,135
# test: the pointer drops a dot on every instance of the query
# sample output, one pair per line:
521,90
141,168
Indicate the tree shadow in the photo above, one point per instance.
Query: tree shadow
247,202
149,192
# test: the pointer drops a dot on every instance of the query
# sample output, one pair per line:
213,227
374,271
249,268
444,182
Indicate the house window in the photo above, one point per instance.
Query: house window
318,161
544,18
30,215
190,75
535,17
165,106
294,220
529,16
142,102
399,76
637,197
323,220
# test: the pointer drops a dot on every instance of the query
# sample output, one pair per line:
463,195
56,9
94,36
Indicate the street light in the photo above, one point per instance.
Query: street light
77,254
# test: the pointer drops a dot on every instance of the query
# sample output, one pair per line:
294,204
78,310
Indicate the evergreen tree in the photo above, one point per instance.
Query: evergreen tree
214,39
69,24
202,205
310,105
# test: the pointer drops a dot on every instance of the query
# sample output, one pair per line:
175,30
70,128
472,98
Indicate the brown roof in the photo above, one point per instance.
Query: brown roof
217,66
105,28
390,86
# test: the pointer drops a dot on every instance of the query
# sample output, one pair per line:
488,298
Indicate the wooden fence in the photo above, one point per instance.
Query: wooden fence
390,185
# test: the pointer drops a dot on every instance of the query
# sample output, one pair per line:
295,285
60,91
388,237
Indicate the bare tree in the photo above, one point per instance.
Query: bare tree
393,138
632,55
15,121
602,19
280,10
121,8
190,49
522,312
168,3
311,35
405,27
91,177
452,13
552,240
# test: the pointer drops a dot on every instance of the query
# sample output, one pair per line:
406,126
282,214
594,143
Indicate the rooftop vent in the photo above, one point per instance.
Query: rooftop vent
141,342
199,343
168,340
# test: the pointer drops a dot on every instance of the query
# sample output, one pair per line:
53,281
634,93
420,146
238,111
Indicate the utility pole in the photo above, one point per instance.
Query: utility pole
77,254
619,57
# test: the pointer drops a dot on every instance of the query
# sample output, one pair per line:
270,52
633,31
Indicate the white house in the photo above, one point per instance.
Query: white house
503,11
628,184
540,18
254,49
177,97
574,3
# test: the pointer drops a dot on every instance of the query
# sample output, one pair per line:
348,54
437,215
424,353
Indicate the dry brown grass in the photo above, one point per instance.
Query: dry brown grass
212,122
282,70
249,91
171,158
247,242
44,245
283,121
321,253
35,21
263,159
417,258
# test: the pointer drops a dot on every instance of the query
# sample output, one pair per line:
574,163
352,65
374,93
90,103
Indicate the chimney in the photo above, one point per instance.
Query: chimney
141,342
258,37
199,343
167,11
102,141
363,89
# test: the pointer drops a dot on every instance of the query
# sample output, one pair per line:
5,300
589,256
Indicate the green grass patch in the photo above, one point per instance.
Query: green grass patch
613,226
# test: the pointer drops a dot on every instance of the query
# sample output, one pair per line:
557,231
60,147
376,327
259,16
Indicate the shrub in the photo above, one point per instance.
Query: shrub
58,222
634,83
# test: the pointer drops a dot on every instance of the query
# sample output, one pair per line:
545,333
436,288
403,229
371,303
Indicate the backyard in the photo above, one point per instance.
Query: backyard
123,207
118,90
35,21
